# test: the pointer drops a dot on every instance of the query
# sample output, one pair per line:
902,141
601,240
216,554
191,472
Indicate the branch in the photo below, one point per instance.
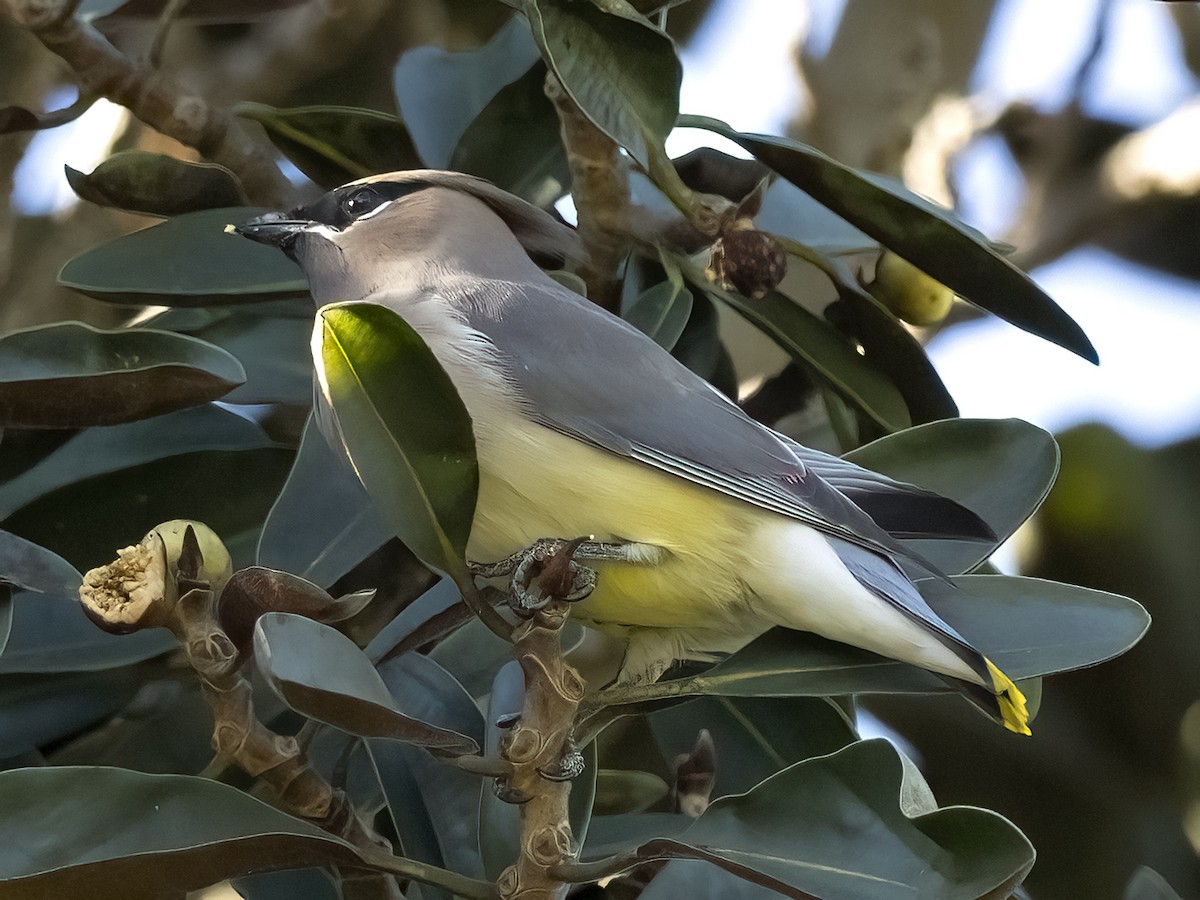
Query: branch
153,97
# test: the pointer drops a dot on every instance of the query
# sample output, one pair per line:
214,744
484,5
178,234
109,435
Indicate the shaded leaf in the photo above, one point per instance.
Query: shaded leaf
320,673
441,91
157,184
71,375
336,144
131,836
1146,884
323,523
698,880
186,261
404,427
925,234
627,791
1001,469
29,567
1027,627
17,118
208,12
473,654
662,312
39,710
833,827
516,144
790,213
620,70
309,884
821,349
439,598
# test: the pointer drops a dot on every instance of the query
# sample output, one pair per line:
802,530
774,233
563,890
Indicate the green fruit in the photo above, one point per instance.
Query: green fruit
908,292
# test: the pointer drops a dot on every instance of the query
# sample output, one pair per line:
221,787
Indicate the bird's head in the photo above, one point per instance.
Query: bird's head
350,235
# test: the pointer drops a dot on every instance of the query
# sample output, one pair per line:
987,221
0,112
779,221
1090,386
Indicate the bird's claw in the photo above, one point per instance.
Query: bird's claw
569,766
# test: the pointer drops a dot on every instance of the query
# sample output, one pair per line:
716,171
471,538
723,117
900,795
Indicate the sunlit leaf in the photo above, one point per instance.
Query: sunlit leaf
71,375
833,827
188,260
404,427
320,673
1001,469
620,70
925,234
323,523
131,836
160,185
336,144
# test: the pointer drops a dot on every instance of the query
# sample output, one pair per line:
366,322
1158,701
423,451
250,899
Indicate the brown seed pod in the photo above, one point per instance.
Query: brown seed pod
748,261
257,590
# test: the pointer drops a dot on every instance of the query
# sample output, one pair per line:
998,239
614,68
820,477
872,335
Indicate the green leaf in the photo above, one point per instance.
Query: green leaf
441,91
309,884
515,142
928,236
1001,469
662,311
71,375
130,836
404,428
821,349
320,673
323,523
790,213
833,827
621,71
156,184
207,12
1026,626
27,566
188,260
336,144
627,791
698,880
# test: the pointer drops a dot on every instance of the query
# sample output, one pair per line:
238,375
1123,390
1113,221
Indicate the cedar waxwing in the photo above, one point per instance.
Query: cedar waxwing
585,426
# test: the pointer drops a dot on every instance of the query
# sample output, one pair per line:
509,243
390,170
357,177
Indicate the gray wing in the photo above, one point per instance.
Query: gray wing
598,379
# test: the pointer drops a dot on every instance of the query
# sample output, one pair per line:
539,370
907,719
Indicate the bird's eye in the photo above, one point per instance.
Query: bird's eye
362,201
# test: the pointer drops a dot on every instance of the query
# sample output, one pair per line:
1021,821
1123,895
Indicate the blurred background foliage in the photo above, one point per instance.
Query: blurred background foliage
1111,780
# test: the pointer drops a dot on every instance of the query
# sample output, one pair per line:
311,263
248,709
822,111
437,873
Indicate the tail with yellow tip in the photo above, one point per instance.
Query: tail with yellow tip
1013,714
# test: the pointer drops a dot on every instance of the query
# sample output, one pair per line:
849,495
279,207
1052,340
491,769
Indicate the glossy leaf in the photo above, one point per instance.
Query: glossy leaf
620,70
160,185
323,523
662,311
188,260
320,673
71,375
515,142
1001,469
1027,627
441,91
131,836
821,349
404,427
336,144
925,234
833,827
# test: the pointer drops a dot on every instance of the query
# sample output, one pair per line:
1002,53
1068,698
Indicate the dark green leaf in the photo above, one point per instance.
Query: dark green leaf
273,349
37,710
620,70
320,673
441,91
834,827
925,234
71,375
1001,469
662,311
323,523
404,428
515,142
188,260
336,144
698,880
1026,626
821,349
130,836
439,598
159,185
627,791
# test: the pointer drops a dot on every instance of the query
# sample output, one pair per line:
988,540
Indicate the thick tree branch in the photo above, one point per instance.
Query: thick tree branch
153,97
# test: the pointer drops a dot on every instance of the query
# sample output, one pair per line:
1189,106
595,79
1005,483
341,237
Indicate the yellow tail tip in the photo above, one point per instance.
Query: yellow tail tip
1011,700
